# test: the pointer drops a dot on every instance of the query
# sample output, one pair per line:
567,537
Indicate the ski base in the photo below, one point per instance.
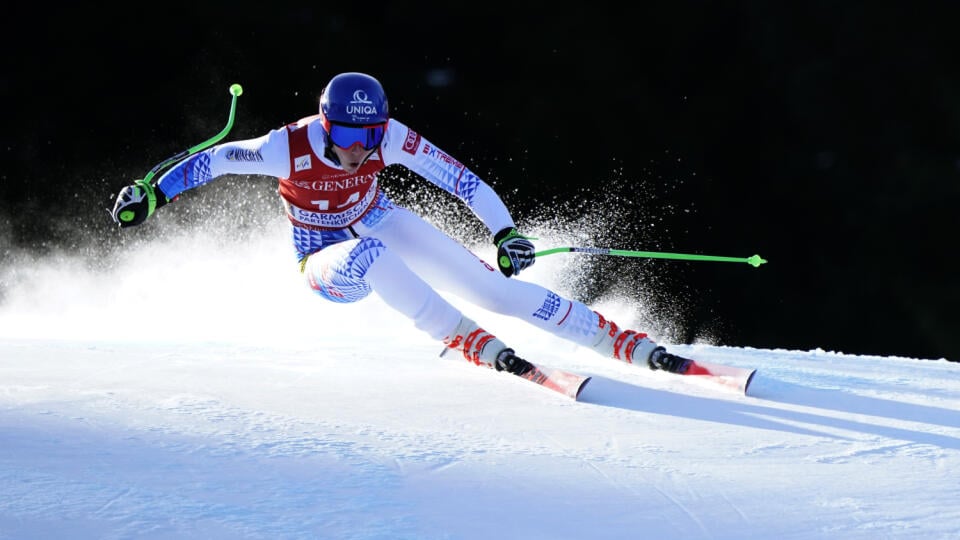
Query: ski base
729,376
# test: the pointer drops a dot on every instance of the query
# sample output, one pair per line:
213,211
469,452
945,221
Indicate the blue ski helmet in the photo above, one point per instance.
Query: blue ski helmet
354,99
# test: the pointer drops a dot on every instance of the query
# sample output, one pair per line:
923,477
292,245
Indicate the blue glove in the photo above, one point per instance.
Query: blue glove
514,251
136,202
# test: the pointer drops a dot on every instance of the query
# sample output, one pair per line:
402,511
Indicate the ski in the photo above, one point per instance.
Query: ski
567,383
731,377
571,384
564,382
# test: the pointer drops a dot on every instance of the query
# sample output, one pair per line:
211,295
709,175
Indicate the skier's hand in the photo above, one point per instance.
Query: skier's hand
135,203
514,251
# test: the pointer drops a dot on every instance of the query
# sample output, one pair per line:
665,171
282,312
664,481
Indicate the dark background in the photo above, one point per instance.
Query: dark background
824,136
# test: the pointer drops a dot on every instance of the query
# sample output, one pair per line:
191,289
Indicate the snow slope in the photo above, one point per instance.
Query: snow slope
238,405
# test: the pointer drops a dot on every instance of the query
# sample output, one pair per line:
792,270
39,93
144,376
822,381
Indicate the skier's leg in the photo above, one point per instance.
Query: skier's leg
348,271
448,265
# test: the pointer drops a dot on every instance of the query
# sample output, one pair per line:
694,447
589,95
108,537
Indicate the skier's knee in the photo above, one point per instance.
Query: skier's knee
338,273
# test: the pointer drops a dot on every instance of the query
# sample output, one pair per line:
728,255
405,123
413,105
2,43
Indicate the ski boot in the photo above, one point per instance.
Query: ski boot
661,359
624,345
511,363
630,346
475,344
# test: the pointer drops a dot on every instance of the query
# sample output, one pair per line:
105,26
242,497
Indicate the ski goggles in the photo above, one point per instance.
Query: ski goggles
345,137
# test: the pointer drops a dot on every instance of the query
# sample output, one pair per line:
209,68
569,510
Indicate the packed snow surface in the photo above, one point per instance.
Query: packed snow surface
200,390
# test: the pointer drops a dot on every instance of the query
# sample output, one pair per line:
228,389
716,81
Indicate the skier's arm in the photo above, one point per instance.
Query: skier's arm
404,146
266,155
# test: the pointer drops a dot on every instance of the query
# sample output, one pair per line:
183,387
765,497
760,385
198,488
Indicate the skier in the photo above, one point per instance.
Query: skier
351,239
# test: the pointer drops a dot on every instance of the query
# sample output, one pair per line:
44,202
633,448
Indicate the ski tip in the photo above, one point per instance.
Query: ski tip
576,396
746,385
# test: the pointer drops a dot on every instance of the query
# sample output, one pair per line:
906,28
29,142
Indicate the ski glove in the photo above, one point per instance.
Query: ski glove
135,203
514,251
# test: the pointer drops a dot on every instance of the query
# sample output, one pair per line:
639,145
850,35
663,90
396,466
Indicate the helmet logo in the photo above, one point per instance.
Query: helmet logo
361,105
359,96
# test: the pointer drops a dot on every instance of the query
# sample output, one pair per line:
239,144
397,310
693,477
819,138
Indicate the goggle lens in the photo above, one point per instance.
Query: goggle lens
369,137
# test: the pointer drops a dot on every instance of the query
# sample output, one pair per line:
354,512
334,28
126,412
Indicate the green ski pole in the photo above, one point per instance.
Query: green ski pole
754,261
235,91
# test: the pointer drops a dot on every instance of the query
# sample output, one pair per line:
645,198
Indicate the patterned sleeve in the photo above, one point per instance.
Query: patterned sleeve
406,147
267,155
